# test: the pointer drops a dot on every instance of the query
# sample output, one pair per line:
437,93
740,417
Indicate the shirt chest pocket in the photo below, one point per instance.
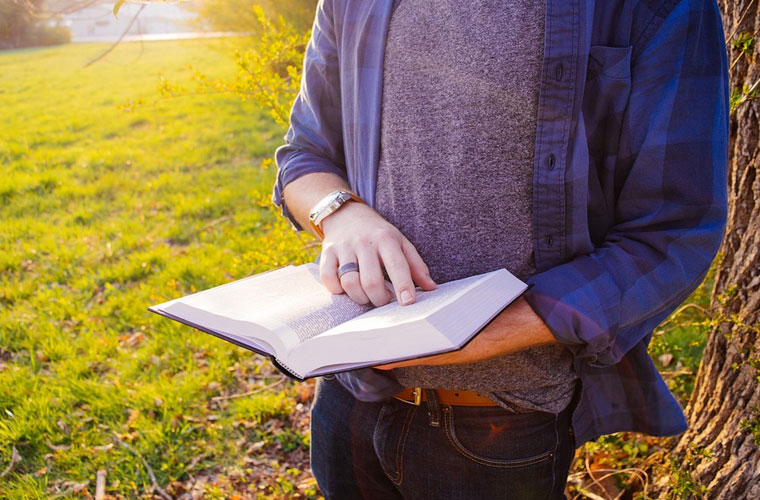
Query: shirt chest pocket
605,99
610,62
607,90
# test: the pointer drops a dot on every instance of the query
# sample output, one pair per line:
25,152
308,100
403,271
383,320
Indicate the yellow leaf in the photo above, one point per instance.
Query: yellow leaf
117,7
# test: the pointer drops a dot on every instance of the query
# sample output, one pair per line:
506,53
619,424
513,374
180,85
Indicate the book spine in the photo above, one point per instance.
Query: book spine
277,363
285,370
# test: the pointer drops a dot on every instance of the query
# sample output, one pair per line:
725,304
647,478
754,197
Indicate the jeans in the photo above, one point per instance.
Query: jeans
395,450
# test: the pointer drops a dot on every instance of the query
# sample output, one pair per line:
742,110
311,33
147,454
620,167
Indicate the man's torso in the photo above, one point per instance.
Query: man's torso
458,127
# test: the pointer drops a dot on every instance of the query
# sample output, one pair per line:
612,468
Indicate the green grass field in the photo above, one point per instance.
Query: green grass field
107,207
103,212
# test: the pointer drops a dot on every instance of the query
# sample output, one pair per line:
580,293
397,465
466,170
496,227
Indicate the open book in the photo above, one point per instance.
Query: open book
288,315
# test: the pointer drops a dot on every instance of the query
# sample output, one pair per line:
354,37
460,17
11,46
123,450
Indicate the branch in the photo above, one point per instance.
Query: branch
248,393
117,42
100,485
153,479
739,23
691,305
747,96
15,458
70,9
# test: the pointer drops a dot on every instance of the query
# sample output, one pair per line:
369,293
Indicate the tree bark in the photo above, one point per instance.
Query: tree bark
720,452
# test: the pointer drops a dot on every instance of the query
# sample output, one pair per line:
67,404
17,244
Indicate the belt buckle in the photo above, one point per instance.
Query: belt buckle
417,392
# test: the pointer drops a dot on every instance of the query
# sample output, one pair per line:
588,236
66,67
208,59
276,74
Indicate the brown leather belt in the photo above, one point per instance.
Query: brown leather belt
417,395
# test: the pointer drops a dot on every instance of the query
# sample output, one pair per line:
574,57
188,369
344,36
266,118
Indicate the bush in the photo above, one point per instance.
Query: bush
50,35
238,15
22,26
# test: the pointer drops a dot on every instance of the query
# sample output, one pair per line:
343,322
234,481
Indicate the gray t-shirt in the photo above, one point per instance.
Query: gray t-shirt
460,99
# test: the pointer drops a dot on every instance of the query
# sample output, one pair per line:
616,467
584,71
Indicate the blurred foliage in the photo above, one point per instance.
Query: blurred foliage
269,69
23,24
238,15
678,342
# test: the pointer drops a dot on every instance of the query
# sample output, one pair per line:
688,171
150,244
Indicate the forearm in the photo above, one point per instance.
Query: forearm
302,194
515,329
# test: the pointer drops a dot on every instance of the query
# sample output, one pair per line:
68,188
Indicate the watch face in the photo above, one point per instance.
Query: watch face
344,196
325,203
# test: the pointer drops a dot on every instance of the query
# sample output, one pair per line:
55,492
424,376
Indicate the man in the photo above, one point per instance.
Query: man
582,145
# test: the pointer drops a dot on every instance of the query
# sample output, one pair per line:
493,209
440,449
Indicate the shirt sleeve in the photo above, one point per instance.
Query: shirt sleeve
670,210
314,140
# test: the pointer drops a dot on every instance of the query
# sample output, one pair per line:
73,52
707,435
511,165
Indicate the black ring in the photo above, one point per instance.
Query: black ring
348,267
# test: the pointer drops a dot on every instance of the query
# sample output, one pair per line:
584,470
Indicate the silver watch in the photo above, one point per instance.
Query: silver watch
329,205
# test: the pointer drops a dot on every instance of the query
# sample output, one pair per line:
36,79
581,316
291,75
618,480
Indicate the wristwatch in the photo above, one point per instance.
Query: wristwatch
329,205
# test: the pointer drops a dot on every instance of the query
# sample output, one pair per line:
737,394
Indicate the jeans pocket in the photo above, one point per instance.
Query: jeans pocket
389,438
495,438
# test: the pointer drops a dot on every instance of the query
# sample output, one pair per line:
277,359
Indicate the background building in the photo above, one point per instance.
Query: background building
157,21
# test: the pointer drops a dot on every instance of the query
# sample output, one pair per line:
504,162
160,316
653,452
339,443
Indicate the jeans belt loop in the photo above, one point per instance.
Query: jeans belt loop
434,407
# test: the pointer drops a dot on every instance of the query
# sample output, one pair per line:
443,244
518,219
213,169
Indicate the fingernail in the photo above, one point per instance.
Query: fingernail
406,297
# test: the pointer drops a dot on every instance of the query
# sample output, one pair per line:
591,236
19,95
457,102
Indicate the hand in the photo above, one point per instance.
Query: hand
516,328
356,233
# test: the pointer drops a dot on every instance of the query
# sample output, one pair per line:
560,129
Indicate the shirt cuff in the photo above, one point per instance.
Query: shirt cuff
294,165
582,314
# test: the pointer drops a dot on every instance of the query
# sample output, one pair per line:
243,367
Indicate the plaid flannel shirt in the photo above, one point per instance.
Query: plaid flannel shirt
629,192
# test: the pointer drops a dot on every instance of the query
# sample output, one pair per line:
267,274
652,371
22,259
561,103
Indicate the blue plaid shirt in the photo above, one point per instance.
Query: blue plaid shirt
629,189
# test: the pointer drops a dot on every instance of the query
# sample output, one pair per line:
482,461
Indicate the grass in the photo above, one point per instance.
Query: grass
112,199
107,208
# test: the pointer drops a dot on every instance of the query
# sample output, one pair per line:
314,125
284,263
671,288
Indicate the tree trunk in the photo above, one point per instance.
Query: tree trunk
718,456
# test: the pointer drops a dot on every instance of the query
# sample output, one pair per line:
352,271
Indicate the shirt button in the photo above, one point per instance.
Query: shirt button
550,161
549,241
558,71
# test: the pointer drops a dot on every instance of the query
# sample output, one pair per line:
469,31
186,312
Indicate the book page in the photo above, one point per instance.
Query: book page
425,304
291,302
439,321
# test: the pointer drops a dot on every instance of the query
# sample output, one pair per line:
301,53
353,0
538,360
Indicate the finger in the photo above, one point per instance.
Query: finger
371,276
397,268
350,281
417,267
328,271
